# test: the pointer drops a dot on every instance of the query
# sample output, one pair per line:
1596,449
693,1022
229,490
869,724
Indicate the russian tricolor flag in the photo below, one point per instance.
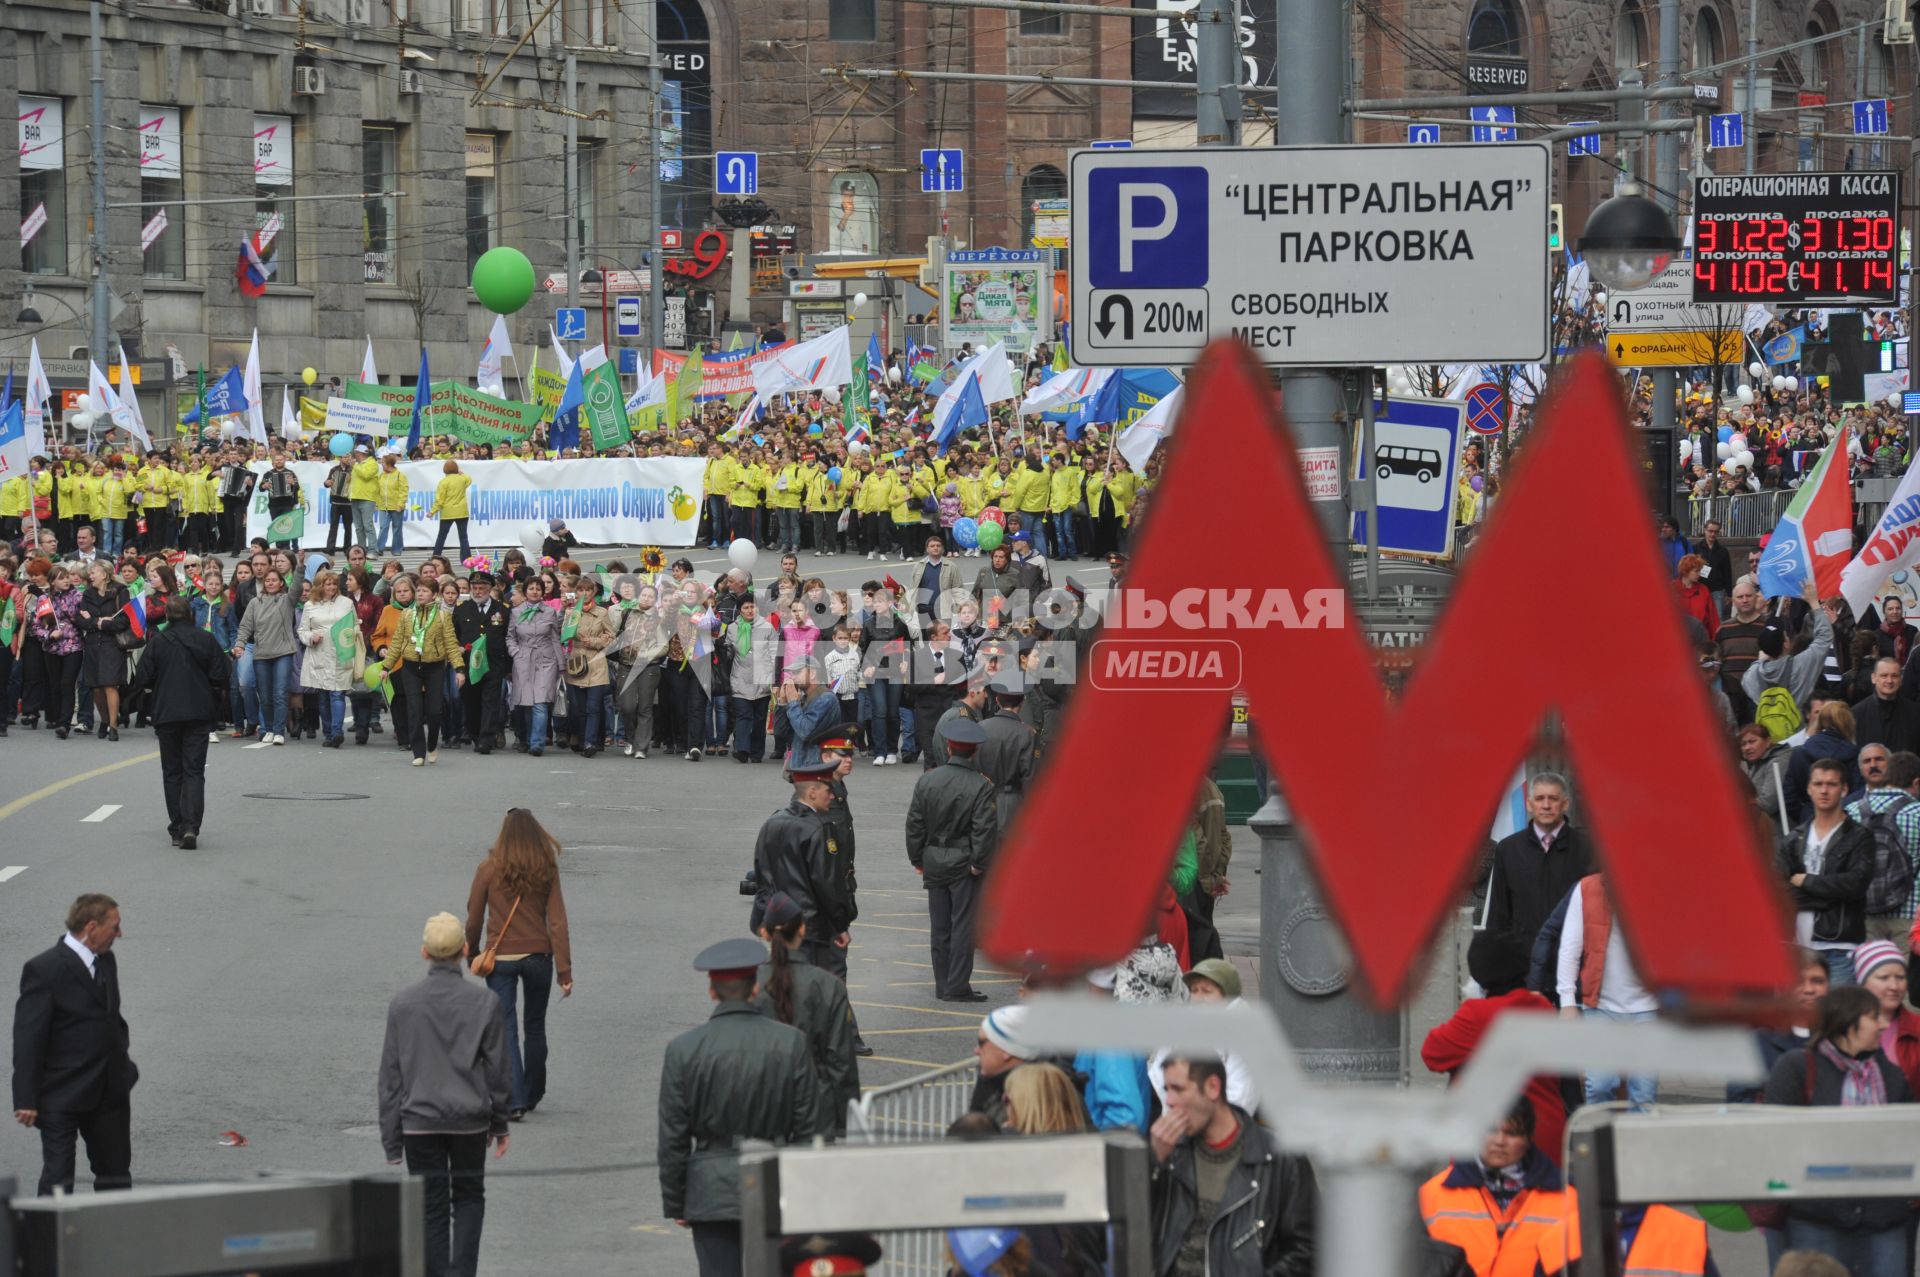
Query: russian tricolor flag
136,618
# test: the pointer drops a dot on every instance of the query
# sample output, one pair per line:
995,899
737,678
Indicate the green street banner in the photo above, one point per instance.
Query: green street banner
605,410
468,415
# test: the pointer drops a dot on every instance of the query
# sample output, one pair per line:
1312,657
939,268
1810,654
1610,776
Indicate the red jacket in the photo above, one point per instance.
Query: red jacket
1450,1045
1900,1042
1697,602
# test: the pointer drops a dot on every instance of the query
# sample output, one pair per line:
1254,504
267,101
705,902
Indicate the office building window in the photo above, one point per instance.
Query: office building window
43,186
274,206
380,211
850,20
1036,22
483,194
163,218
587,199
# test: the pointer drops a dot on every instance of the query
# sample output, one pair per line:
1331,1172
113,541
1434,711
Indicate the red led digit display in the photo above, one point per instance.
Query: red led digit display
1797,238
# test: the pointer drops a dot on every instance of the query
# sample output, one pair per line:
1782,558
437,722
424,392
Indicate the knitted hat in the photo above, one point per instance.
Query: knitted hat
1002,1028
1497,961
1872,954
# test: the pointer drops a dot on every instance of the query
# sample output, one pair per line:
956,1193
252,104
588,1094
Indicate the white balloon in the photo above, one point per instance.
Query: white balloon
1738,440
1743,458
83,402
859,300
532,537
1744,394
1600,296
893,376
743,554
1722,451
1793,383
1686,449
1895,400
81,420
1758,369
1779,382
856,445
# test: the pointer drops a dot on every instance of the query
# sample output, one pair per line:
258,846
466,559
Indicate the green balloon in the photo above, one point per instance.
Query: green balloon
503,280
1725,1216
991,534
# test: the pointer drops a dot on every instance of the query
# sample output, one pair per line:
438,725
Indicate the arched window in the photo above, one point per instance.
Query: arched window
1629,39
1043,183
1496,28
1708,45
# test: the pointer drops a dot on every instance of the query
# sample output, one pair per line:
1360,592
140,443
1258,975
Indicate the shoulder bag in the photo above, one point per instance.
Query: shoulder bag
482,964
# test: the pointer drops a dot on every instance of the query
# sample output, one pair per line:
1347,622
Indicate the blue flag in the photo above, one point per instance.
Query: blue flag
876,358
224,397
1785,349
566,414
6,392
969,410
422,396
1103,409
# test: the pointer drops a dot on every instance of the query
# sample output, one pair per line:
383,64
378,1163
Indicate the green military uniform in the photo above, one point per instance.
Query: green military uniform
1007,755
952,825
824,1017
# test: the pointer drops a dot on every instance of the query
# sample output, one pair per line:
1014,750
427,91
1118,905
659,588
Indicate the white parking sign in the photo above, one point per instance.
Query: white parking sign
1316,256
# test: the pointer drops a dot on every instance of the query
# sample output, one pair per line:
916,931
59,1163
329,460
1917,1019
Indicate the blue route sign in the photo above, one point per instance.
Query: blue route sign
1726,131
1415,462
1423,134
736,173
944,169
1487,120
1587,144
1112,144
1870,116
570,323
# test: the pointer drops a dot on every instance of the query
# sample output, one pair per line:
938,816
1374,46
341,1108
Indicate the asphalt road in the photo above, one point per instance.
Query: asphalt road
256,969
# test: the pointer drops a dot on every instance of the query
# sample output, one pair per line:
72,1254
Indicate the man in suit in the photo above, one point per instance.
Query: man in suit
187,671
482,620
72,1075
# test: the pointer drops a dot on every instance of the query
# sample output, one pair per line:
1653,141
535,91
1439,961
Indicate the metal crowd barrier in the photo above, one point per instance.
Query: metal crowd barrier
914,1111
1742,515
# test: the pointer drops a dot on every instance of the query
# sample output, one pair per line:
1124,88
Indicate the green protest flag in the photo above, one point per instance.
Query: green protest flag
290,526
548,386
685,385
924,372
9,619
344,647
856,407
605,410
477,665
571,624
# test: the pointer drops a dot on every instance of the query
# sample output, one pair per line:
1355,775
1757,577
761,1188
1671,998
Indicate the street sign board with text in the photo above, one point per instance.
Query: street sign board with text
1316,256
1674,349
1667,305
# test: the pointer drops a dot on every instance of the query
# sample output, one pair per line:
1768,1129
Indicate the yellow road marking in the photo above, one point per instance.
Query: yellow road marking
891,1006
27,800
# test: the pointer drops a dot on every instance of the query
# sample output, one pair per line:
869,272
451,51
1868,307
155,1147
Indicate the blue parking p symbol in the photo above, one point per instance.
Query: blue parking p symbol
1147,227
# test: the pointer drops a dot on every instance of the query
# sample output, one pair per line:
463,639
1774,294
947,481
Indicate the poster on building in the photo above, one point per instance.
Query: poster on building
996,294
604,501
853,214
1166,48
1051,220
817,319
159,141
43,144
273,150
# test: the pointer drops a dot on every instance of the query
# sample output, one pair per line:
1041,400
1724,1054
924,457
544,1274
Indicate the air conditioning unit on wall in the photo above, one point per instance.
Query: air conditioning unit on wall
309,82
409,81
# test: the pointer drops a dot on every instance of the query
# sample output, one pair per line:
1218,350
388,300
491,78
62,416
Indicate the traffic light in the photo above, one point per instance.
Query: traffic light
1556,214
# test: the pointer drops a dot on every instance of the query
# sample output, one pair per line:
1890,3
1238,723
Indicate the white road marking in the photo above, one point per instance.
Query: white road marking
12,871
263,744
100,814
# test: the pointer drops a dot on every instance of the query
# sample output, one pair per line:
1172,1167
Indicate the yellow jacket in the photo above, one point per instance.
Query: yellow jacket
788,498
1065,484
156,487
113,495
823,495
1121,486
973,498
14,498
450,496
72,501
876,492
391,493
719,477
748,482
1029,490
907,499
366,481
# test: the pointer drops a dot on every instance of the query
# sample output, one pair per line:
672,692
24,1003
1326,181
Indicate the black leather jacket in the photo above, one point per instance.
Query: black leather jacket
1265,1224
1837,895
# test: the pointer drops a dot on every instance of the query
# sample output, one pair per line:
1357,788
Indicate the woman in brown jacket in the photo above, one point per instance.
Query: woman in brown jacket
415,639
588,681
516,905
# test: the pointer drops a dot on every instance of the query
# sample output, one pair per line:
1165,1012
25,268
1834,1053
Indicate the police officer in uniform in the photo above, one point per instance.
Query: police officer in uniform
795,991
952,825
482,620
838,1255
1006,757
836,744
799,853
741,1075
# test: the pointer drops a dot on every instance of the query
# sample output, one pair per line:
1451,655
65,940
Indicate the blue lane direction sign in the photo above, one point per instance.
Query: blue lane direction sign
736,173
626,316
1587,144
1487,120
1725,131
1416,458
1870,116
1112,144
570,323
1910,402
1423,134
1486,409
943,169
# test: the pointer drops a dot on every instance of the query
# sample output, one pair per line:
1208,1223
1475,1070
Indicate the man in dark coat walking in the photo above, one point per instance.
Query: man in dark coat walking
482,620
797,852
72,1076
740,1076
1007,755
1536,867
952,825
1888,717
187,673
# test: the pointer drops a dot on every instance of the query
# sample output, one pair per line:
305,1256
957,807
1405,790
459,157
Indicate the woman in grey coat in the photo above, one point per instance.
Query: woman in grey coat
533,640
642,644
268,629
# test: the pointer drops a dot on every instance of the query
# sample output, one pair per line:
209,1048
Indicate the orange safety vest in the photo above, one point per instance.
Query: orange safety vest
1668,1244
1535,1233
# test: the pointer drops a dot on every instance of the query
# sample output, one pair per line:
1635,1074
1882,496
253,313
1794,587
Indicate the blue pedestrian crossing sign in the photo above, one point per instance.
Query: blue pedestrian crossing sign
1725,131
1486,122
1585,144
1870,116
943,169
570,323
1423,134
736,173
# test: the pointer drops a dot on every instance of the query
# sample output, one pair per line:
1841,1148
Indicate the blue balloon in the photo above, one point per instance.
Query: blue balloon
833,475
966,532
340,445
816,429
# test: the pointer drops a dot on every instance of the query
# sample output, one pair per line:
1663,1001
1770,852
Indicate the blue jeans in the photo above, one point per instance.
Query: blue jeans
884,698
112,536
526,1043
537,716
1865,1253
333,714
909,740
587,714
456,525
789,524
389,538
1603,1086
271,676
719,719
717,525
1839,966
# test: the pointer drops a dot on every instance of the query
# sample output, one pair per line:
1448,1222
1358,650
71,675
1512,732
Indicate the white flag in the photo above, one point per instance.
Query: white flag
498,349
825,361
369,375
256,407
39,395
560,355
591,359
289,419
131,401
995,377
1893,544
108,404
652,391
1069,387
1137,442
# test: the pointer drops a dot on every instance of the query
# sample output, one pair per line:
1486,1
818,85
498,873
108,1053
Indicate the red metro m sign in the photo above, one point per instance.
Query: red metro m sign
1563,606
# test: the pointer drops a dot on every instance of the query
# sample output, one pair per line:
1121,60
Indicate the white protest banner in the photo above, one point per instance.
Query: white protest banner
151,231
32,224
352,417
1893,544
604,500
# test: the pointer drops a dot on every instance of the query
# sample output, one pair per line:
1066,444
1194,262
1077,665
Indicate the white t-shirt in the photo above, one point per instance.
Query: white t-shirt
1816,858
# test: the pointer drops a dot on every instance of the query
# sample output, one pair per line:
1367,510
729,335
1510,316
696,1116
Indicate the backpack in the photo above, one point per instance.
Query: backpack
1778,712
1892,860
